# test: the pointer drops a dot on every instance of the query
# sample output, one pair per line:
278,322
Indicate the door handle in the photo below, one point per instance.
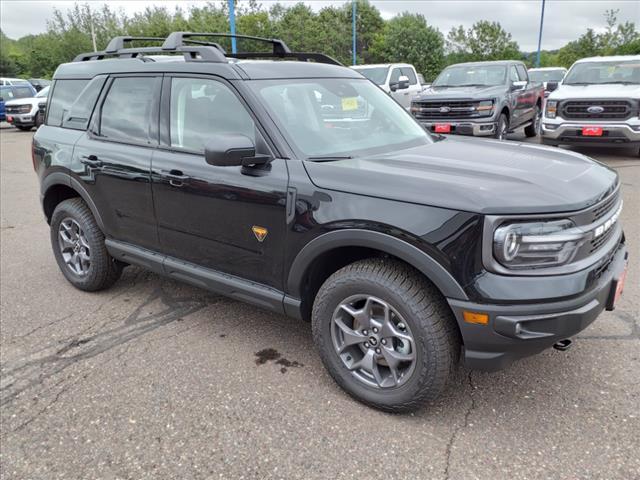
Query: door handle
176,177
91,161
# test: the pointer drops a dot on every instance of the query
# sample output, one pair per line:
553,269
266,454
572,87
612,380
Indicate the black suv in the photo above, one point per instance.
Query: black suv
301,187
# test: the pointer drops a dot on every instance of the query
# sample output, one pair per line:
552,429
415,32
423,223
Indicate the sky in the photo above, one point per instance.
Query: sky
565,20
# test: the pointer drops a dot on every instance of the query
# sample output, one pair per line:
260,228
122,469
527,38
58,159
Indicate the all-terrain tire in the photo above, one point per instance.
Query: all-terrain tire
103,270
433,326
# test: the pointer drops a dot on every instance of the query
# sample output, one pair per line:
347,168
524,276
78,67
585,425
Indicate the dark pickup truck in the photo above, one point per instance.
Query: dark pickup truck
481,99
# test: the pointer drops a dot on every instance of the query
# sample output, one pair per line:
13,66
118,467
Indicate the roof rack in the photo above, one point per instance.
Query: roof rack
199,50
117,43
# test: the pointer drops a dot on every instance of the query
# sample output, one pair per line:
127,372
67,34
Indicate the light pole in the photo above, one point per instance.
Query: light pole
540,35
232,25
353,29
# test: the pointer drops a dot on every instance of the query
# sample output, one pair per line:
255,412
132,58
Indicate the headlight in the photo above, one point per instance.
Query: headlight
552,108
536,244
485,107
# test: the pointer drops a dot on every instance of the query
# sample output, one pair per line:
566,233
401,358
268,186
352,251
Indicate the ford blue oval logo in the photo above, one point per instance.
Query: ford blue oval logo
445,109
595,109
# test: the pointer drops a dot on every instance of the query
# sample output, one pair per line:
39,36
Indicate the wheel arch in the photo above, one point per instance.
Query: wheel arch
331,251
57,187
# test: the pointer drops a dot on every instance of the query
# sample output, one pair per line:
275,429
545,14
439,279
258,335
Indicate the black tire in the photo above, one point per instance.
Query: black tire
24,128
423,308
102,270
502,127
38,121
533,130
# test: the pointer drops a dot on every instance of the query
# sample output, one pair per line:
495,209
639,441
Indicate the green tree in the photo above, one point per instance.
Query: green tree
483,41
408,38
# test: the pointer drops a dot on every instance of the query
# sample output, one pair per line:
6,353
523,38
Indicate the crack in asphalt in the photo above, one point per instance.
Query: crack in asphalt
457,429
27,373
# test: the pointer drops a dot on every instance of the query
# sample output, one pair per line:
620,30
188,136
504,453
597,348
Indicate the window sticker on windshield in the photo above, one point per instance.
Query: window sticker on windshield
349,103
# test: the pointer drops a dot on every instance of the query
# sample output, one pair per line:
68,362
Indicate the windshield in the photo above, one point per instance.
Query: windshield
471,75
43,93
336,117
546,75
597,73
377,75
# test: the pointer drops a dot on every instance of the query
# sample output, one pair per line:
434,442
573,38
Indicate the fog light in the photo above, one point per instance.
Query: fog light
550,126
475,317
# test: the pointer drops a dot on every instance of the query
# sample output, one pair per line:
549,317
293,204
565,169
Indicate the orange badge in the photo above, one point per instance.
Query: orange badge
259,232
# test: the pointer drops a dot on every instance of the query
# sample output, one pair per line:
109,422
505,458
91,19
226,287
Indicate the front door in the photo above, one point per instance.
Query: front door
229,219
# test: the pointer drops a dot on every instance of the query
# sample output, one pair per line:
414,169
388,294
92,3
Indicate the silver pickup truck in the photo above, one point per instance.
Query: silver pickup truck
597,103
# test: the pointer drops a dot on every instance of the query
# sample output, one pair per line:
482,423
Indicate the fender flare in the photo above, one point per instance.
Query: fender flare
61,178
434,271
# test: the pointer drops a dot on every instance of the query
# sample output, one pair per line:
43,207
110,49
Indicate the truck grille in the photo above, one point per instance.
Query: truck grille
423,110
597,109
17,108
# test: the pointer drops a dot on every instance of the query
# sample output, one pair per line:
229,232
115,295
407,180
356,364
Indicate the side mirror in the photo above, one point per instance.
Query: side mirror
401,84
551,86
231,150
519,85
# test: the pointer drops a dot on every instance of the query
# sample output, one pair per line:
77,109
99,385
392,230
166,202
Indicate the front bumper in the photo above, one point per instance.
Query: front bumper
565,132
516,331
21,119
464,127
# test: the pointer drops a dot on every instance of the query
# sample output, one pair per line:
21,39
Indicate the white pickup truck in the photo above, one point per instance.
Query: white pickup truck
597,103
400,80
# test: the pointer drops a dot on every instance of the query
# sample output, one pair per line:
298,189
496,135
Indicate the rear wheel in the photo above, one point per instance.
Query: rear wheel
502,127
78,245
533,130
385,334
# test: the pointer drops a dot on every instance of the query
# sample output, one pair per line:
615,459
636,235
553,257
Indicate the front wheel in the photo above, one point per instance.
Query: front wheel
385,334
533,130
502,127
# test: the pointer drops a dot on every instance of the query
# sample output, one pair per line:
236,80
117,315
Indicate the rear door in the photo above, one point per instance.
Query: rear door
212,216
414,85
112,159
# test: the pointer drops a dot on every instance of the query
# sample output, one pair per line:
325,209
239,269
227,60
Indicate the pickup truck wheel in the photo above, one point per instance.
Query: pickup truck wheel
533,130
78,245
385,334
502,128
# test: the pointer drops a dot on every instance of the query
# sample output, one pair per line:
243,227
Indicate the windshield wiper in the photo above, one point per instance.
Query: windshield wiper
473,85
621,82
330,158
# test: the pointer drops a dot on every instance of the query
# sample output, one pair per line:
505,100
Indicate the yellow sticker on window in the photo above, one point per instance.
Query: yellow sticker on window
349,103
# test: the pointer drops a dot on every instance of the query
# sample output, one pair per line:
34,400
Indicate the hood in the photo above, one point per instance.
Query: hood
33,101
474,175
460,93
570,92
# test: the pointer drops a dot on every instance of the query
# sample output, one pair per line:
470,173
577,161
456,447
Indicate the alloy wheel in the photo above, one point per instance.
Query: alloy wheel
373,341
74,247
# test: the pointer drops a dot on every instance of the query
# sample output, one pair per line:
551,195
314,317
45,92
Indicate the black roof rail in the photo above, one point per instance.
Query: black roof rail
301,56
191,53
177,39
117,43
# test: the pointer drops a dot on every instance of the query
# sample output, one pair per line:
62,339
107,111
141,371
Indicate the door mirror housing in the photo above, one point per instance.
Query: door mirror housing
401,84
232,150
551,86
519,85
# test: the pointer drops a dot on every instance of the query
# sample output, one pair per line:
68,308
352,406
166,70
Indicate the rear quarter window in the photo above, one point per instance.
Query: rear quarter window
80,111
65,93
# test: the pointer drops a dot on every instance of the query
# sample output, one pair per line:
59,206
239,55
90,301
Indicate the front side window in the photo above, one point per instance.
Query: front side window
127,109
203,107
594,73
64,94
513,74
327,117
395,75
471,76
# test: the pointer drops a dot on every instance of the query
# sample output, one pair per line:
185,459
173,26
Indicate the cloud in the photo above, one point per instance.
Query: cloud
565,20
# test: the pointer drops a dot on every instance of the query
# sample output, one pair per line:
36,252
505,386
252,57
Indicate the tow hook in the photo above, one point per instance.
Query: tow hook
563,345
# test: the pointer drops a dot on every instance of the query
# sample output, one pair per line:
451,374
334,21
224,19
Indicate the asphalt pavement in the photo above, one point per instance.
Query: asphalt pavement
153,379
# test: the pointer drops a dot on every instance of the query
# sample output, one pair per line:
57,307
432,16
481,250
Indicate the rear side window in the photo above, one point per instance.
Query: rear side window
64,94
80,112
127,109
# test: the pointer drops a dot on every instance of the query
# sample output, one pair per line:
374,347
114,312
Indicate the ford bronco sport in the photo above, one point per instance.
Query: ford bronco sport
405,250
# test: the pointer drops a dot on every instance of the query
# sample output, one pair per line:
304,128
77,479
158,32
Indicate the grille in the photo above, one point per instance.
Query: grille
611,109
446,109
604,265
596,243
15,108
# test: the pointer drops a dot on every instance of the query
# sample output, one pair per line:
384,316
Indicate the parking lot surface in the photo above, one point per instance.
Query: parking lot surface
155,379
